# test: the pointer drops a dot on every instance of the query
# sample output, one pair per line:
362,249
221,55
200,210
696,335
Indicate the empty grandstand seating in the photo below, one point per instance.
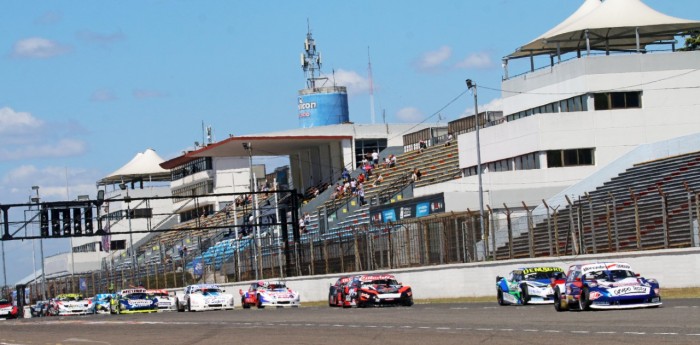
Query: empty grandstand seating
645,183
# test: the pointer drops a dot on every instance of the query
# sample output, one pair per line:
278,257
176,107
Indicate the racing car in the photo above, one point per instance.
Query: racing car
70,304
165,301
7,310
336,292
132,301
269,294
528,285
607,285
101,303
376,290
203,297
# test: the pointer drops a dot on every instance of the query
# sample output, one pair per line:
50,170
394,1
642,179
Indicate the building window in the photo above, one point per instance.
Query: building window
567,158
617,100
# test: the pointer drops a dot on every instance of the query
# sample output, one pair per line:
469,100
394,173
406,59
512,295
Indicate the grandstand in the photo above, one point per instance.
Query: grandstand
564,132
662,218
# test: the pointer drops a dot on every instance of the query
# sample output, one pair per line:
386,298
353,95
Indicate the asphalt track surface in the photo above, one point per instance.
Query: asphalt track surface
676,322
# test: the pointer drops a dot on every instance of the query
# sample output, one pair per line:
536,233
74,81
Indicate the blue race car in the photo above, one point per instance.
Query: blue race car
101,303
605,286
528,285
133,301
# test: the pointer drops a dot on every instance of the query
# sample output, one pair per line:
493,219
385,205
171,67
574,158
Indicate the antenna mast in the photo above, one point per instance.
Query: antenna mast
311,60
371,86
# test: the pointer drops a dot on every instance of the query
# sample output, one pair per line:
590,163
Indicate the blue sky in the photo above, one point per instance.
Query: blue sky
88,84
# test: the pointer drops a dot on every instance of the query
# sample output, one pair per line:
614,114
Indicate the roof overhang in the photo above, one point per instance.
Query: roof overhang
599,26
260,146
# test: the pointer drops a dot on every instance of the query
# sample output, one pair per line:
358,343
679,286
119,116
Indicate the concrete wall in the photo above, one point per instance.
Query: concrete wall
673,268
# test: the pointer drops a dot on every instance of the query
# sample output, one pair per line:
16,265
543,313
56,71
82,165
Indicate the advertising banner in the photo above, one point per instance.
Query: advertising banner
407,209
322,109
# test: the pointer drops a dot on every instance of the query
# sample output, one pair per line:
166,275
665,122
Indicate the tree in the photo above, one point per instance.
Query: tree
692,42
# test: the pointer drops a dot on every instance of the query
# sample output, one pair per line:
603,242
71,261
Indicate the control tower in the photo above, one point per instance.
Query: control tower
319,104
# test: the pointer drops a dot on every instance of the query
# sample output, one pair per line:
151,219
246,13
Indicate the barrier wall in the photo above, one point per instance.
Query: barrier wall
673,268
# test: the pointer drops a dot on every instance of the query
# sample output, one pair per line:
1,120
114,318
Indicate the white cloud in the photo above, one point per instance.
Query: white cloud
146,94
103,95
433,59
23,136
480,60
52,182
355,82
410,114
14,122
495,104
38,48
61,148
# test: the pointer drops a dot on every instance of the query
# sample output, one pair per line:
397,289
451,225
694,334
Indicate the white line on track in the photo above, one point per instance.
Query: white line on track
666,333
551,331
605,332
636,333
581,332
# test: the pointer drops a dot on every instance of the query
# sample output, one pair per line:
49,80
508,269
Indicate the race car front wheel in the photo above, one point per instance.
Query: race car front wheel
584,302
244,304
557,301
524,294
260,306
499,297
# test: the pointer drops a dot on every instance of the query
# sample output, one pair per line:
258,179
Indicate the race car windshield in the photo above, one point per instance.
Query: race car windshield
540,275
277,286
160,294
139,295
70,298
4,301
208,292
382,282
617,275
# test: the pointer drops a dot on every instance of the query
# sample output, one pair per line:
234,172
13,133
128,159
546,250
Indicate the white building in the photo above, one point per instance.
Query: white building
579,114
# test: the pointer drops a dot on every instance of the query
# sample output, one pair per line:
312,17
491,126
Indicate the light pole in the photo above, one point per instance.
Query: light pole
127,199
36,200
472,86
248,146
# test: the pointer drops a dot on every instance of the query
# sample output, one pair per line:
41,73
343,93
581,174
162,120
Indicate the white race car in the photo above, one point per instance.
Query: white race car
203,297
70,304
269,294
165,301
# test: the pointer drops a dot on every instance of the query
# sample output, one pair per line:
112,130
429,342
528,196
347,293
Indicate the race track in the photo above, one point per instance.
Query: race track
677,322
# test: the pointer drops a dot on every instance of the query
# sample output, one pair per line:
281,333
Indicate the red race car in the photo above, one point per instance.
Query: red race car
7,310
337,292
376,290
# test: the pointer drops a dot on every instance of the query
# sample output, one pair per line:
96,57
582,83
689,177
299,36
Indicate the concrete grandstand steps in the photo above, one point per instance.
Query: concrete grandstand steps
670,174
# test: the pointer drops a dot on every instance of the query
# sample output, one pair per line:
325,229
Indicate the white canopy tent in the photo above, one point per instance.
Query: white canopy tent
143,167
610,25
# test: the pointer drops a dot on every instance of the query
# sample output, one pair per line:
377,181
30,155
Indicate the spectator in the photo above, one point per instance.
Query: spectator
361,195
368,170
448,142
307,219
353,186
345,175
361,178
416,175
387,162
375,159
184,252
302,226
393,161
422,145
379,180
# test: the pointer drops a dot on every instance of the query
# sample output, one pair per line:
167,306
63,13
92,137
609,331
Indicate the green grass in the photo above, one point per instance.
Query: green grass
665,293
